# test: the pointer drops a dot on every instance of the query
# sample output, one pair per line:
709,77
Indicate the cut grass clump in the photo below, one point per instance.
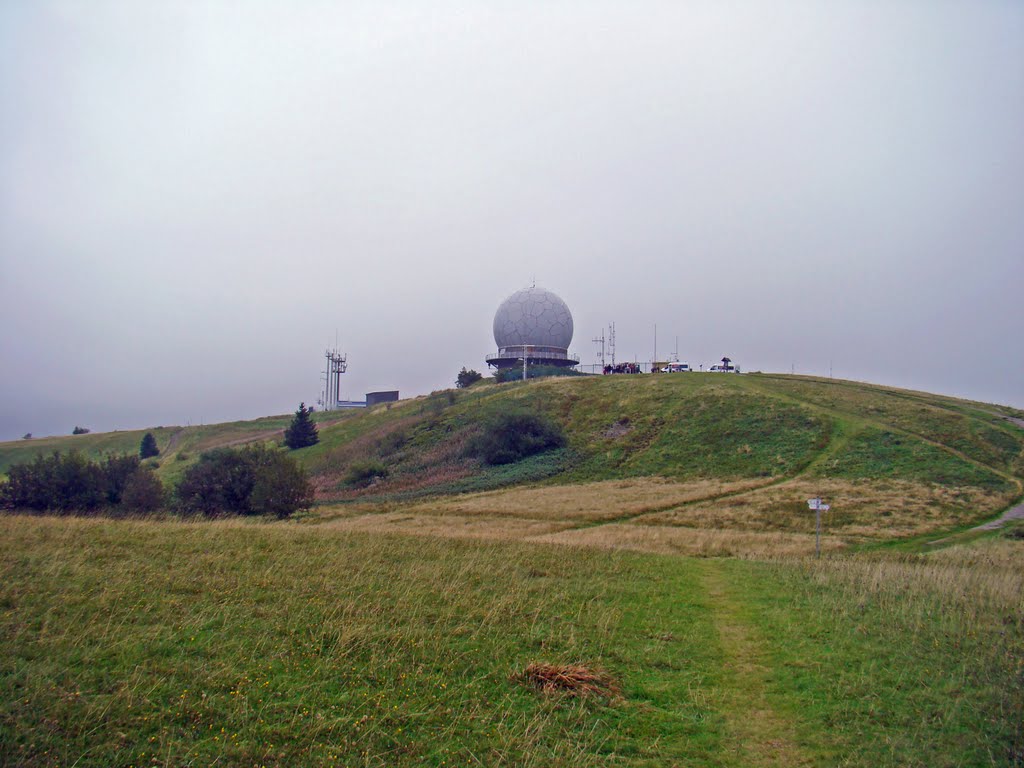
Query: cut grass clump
571,679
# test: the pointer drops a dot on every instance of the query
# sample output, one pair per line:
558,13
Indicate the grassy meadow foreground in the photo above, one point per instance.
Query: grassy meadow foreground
241,643
664,553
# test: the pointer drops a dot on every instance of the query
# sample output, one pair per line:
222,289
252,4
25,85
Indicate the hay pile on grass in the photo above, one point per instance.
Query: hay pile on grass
572,679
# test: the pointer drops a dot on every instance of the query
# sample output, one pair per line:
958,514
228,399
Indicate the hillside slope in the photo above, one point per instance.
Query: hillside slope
651,460
688,452
684,426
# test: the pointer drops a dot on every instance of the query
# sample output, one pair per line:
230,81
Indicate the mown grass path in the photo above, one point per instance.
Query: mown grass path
756,733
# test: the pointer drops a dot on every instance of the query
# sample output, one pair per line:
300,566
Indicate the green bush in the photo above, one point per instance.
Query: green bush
467,378
281,487
143,491
255,480
363,473
68,482
511,436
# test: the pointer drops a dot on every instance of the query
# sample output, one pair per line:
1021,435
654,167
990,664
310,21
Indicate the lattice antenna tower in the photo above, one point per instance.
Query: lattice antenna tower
337,364
611,342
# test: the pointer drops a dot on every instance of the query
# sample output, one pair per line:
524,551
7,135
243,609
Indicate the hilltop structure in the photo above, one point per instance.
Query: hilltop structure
533,324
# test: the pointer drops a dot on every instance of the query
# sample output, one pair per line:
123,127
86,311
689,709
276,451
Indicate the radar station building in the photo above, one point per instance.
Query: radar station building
534,324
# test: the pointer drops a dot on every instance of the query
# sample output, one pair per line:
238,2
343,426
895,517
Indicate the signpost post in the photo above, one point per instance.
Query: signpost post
818,508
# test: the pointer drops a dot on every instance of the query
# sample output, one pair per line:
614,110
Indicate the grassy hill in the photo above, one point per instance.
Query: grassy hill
549,612
727,456
668,455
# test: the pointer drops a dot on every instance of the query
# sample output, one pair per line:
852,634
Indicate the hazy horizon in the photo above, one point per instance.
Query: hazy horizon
196,200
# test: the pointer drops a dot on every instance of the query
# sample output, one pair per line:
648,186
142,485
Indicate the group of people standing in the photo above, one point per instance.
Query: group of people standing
622,368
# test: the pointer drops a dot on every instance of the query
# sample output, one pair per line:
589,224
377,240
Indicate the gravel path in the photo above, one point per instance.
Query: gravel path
1013,513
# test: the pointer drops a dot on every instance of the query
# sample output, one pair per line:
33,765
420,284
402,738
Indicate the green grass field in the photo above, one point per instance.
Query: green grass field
171,643
667,550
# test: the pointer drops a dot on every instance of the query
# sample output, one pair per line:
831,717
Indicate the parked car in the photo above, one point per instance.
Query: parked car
676,368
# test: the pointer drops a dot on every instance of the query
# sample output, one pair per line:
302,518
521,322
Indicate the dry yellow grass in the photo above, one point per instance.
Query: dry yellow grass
972,583
698,542
1001,554
447,526
587,502
863,509
712,518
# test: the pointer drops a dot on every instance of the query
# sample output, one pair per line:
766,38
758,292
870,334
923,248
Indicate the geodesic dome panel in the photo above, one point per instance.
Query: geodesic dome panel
535,317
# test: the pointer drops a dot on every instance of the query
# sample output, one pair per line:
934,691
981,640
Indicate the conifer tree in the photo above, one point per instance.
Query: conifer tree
302,431
147,447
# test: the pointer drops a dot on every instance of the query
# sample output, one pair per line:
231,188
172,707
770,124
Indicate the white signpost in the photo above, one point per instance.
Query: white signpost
818,508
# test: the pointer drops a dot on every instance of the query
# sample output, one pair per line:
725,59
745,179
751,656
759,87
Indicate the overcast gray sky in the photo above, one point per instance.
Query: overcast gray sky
195,197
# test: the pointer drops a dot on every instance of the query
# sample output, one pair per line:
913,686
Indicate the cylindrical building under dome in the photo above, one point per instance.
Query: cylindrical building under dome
535,324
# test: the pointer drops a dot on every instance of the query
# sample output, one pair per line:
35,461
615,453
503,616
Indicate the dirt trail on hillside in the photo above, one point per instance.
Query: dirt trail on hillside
1013,513
173,442
757,735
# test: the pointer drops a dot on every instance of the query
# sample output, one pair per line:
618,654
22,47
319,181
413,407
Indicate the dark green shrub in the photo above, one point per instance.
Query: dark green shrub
392,442
252,481
67,482
221,481
467,378
363,473
143,492
511,436
117,470
282,487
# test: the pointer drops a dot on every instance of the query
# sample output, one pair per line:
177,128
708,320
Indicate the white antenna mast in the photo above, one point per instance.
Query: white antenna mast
600,340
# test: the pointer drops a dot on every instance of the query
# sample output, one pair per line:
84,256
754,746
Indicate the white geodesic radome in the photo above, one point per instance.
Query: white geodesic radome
535,317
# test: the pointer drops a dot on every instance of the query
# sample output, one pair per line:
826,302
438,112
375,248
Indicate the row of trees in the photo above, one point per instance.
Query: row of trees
255,480
71,481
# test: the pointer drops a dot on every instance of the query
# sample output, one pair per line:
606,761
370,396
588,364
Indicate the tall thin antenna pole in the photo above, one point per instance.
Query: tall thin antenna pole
655,344
600,340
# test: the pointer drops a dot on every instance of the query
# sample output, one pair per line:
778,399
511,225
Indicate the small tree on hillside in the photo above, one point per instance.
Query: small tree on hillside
147,448
302,431
466,378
